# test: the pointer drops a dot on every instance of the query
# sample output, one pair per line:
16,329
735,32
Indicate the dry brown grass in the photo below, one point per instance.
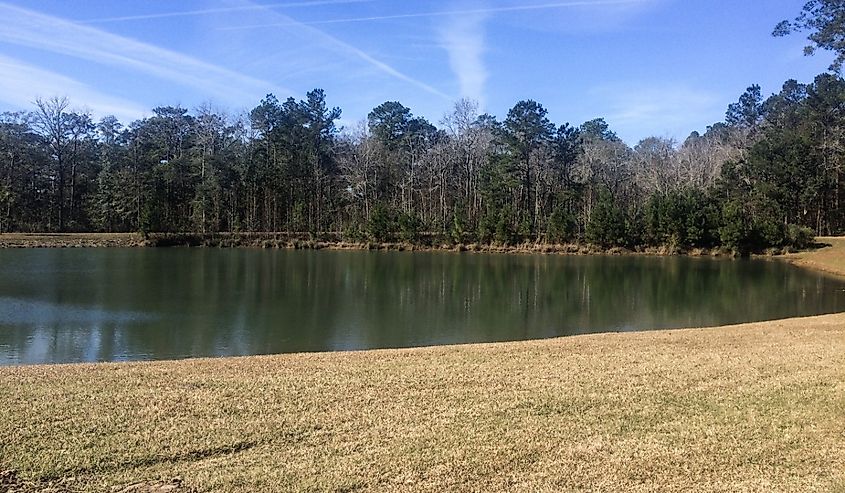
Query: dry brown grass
757,407
36,240
830,258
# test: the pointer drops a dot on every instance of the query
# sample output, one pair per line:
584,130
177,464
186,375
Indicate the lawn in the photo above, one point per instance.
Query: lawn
756,407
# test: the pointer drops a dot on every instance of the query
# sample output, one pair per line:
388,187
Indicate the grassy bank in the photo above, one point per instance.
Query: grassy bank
331,241
334,241
756,407
70,240
287,241
830,258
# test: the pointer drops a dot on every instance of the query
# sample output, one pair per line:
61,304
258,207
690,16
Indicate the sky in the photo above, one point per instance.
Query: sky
649,67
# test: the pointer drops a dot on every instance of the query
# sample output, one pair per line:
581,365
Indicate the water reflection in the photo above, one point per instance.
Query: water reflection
113,304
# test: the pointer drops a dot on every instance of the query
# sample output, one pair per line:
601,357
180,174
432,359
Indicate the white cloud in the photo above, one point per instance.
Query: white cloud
22,83
463,39
32,29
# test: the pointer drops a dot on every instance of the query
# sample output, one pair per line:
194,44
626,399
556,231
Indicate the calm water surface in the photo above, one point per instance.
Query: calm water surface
69,305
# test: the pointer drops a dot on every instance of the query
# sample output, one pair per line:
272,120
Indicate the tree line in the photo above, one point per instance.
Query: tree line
769,175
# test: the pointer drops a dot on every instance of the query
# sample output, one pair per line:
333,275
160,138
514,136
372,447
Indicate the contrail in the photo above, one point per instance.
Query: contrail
43,32
492,10
219,10
349,51
385,67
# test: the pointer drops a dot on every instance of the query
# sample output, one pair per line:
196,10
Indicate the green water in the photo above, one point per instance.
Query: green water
69,305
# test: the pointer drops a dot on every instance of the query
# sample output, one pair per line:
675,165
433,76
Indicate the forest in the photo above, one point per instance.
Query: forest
769,175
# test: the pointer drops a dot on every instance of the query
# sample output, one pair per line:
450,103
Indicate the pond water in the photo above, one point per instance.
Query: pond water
71,305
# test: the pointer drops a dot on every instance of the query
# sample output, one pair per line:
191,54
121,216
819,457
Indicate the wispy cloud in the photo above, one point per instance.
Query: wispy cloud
32,29
463,38
327,41
452,13
22,83
379,65
660,109
220,10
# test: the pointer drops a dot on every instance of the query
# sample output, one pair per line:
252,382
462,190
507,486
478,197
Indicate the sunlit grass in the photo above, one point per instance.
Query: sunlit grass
758,407
830,258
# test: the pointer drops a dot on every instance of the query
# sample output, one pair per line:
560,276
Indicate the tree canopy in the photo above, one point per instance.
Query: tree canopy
825,21
769,175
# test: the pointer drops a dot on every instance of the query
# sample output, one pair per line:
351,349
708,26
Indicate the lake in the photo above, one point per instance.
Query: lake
72,305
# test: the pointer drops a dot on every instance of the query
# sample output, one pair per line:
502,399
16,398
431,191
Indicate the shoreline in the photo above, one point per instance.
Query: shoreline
702,409
387,351
330,241
828,256
829,259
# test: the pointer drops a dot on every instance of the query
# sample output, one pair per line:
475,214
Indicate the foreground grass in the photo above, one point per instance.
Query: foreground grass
756,407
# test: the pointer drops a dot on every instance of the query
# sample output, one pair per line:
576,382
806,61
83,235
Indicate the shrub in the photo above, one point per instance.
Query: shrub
353,232
561,227
458,231
382,224
504,227
735,232
799,237
486,227
607,222
410,227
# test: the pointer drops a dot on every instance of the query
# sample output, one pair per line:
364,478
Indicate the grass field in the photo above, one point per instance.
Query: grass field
755,407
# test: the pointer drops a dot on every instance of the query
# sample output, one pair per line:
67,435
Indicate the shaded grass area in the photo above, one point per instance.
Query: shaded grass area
755,407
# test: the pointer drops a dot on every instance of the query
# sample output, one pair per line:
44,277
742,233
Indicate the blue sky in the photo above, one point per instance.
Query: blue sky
649,67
